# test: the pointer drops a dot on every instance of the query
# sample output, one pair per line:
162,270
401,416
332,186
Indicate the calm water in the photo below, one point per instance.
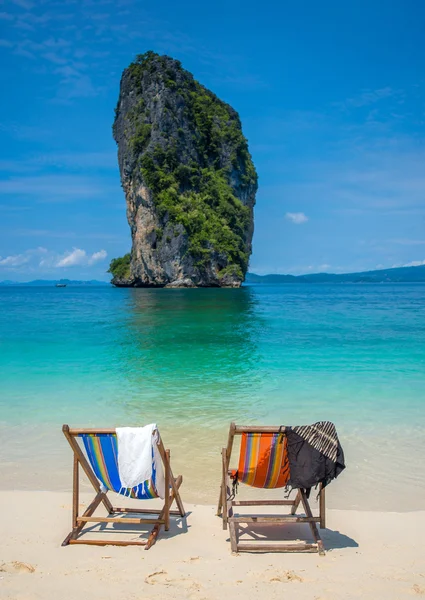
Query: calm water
193,360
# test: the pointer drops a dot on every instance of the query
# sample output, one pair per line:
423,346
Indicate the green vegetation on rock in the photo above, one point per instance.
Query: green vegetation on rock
120,267
214,219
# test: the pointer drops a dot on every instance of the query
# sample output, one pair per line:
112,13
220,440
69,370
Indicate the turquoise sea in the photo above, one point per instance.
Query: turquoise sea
193,360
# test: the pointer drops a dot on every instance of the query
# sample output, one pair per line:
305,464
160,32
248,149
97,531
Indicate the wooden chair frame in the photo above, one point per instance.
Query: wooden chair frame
226,504
172,486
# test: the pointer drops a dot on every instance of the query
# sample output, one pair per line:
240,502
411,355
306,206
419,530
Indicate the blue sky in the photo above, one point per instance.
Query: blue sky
331,97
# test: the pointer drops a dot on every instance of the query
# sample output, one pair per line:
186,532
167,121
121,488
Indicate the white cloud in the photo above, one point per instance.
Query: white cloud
37,259
15,260
97,256
298,218
72,259
415,263
18,260
80,257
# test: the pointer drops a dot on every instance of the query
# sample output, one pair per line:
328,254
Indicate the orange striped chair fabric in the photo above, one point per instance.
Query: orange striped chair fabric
263,461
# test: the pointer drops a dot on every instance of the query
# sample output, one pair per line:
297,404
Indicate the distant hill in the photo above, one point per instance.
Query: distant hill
53,282
397,275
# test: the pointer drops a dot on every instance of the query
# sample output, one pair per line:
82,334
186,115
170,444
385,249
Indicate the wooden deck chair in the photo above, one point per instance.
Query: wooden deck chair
101,468
263,463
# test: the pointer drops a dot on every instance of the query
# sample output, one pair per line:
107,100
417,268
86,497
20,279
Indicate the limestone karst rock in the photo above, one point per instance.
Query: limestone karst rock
188,179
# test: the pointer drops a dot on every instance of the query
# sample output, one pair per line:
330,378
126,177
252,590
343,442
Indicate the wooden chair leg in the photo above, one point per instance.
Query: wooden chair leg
176,494
173,481
220,501
322,507
229,505
167,492
153,535
233,536
228,452
100,497
88,513
225,514
296,503
157,527
75,492
312,524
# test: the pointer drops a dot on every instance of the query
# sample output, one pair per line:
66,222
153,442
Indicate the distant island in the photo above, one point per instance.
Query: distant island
54,282
395,275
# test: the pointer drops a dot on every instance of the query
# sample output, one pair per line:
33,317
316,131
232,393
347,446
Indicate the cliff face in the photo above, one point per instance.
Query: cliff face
188,178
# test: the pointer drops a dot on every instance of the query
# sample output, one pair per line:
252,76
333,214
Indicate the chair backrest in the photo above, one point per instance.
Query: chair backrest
102,453
263,460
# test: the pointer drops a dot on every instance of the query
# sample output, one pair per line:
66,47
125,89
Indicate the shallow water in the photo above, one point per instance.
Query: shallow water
193,360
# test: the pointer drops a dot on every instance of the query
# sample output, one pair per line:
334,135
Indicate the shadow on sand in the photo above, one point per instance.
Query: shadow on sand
178,526
332,539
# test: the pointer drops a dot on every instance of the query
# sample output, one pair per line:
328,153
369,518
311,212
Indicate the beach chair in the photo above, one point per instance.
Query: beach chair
101,468
263,463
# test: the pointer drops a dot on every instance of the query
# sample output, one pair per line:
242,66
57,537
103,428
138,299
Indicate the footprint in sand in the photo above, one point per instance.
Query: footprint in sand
417,589
192,559
157,577
278,576
17,567
162,578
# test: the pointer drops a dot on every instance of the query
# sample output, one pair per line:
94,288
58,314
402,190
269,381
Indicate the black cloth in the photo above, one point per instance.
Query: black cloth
315,456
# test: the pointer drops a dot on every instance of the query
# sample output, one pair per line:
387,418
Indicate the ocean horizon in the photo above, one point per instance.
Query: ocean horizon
194,360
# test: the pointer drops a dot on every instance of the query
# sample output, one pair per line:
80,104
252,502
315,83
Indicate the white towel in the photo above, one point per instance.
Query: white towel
135,456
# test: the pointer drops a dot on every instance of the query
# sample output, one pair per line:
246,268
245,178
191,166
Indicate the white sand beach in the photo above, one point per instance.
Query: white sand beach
369,555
